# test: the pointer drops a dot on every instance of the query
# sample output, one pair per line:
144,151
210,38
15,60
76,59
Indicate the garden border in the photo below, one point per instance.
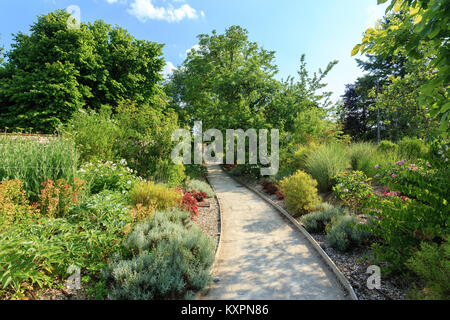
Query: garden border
219,243
331,265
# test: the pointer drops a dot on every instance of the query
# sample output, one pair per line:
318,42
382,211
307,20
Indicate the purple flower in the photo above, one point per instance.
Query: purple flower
394,176
400,163
377,166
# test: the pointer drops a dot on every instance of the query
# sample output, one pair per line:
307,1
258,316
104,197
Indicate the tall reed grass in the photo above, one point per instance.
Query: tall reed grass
33,160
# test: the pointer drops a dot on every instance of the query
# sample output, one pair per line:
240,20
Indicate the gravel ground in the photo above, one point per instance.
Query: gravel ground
209,219
352,264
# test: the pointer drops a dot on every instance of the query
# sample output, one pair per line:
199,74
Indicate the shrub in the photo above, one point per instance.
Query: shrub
363,157
33,161
94,133
14,206
200,186
386,146
37,254
412,148
158,195
414,210
345,232
166,257
353,188
269,187
168,173
195,171
325,163
199,196
300,192
432,264
108,176
301,155
190,204
57,197
317,221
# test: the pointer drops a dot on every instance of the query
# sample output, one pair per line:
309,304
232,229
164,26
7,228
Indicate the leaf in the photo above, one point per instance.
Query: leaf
381,1
356,49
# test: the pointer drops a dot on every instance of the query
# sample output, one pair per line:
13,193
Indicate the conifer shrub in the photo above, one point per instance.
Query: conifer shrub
166,257
300,193
346,232
316,222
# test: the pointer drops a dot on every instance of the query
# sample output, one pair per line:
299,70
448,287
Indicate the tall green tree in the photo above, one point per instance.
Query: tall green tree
55,70
228,82
419,30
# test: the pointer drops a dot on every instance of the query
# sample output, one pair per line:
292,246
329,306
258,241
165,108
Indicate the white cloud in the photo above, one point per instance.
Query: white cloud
145,10
195,47
112,1
169,68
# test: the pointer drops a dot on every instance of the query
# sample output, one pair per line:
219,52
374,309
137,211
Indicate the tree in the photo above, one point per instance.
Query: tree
227,82
419,30
56,70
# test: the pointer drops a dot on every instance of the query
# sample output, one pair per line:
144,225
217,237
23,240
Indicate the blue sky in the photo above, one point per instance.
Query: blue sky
324,30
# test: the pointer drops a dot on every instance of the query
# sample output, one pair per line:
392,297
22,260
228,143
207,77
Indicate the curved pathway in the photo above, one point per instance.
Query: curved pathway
262,256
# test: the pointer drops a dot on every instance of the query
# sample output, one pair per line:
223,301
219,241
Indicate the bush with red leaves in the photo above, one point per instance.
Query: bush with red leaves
269,187
190,204
279,195
199,196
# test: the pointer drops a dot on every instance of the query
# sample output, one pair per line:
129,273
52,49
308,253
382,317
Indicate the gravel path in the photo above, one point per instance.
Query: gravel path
262,257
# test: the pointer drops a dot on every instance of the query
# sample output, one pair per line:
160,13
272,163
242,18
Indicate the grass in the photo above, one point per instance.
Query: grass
33,161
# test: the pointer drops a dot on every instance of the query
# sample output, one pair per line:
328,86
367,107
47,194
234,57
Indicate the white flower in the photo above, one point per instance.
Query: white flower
129,182
123,162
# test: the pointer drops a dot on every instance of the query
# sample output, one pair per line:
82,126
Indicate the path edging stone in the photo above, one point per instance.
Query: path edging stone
339,275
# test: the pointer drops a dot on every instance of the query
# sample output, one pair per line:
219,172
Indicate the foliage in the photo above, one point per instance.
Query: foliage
363,157
146,139
301,155
108,176
195,171
190,204
269,187
14,206
54,71
300,193
386,146
57,197
353,188
432,264
34,160
412,148
149,193
346,232
325,163
414,209
200,186
166,257
418,29
95,134
318,221
37,254
199,196
169,173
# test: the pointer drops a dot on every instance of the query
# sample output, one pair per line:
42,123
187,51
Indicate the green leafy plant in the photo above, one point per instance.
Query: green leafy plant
412,148
346,232
300,193
317,221
167,257
325,163
353,188
149,193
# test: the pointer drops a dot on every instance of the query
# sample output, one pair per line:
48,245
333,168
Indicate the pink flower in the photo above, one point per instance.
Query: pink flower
346,190
404,198
377,166
400,163
394,176
429,165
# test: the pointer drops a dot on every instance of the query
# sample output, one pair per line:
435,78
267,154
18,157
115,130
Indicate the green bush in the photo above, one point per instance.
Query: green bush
37,254
157,195
168,173
386,146
200,186
413,209
432,264
34,161
300,193
167,257
346,232
94,133
413,148
108,176
326,163
316,222
301,155
353,188
364,157
195,171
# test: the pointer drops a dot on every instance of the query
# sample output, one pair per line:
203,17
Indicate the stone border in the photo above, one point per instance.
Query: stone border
339,275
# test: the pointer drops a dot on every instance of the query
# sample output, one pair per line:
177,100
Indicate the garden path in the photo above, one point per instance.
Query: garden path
262,256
